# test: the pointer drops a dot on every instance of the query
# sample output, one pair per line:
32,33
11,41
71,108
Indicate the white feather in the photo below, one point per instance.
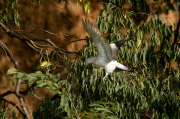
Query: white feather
113,46
120,66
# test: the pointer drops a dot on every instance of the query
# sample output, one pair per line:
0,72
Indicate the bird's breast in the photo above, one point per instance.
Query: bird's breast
100,62
110,67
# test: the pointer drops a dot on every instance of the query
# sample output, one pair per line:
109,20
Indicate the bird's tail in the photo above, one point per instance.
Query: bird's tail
120,66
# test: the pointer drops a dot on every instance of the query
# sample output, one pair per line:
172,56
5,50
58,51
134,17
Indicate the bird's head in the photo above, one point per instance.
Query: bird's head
89,61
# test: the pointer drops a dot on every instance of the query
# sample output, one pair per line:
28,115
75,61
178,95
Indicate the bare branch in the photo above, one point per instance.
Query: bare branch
17,67
8,52
20,98
1,98
15,34
32,31
54,46
12,92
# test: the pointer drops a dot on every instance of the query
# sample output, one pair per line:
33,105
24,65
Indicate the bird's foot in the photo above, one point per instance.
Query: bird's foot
103,79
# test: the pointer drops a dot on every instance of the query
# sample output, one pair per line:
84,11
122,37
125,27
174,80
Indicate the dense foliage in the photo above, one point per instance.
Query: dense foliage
10,14
154,86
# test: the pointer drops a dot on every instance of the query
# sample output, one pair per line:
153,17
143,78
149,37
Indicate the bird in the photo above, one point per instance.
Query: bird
107,53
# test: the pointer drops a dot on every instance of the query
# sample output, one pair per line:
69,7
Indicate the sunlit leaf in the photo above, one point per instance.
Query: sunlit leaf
12,71
139,42
46,64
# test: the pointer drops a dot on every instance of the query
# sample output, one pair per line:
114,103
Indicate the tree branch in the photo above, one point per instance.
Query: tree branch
8,52
36,47
1,98
15,34
12,92
54,46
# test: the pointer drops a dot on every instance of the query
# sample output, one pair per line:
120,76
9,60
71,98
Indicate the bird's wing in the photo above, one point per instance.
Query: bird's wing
115,47
103,48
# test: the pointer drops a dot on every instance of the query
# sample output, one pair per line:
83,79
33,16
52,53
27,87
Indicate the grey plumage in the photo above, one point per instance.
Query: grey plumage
104,49
107,53
115,49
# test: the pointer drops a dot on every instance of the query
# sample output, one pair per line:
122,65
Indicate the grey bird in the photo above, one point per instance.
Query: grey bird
107,53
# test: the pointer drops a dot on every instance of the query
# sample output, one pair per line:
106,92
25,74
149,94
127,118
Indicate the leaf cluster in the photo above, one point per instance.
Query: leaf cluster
10,14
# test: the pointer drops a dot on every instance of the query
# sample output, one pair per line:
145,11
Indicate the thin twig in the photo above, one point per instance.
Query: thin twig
61,8
54,46
15,34
39,98
32,31
70,100
20,98
14,108
7,51
1,98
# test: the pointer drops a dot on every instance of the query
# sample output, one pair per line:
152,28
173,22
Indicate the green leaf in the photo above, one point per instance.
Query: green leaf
53,77
108,26
93,88
142,85
144,55
43,77
38,1
14,77
128,23
117,88
135,58
13,4
103,109
69,113
139,42
20,74
42,84
38,72
122,86
162,19
57,57
102,26
166,31
169,52
17,19
87,7
31,79
98,102
137,117
133,13
12,71
104,13
170,29
54,91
